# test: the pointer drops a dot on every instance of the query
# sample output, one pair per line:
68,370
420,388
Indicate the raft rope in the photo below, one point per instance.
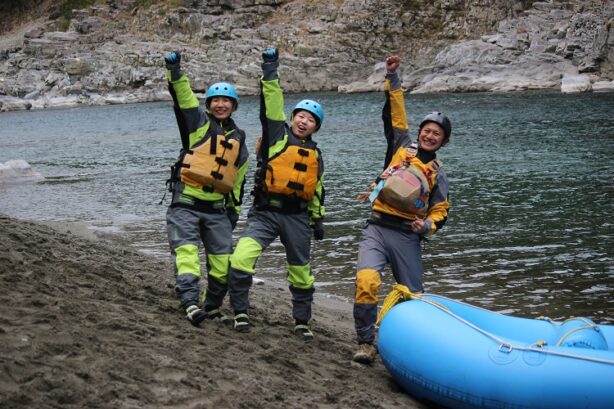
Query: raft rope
401,293
589,325
398,293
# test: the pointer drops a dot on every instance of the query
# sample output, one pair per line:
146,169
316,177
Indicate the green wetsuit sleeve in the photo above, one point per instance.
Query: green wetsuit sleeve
316,207
236,197
273,100
194,119
185,96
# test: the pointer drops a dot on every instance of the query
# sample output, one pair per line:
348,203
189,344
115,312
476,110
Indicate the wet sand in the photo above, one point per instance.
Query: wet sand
87,323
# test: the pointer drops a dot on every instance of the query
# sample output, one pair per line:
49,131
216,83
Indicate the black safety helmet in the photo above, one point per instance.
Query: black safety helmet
441,120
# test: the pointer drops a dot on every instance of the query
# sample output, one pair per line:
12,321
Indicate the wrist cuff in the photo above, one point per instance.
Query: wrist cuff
269,70
395,81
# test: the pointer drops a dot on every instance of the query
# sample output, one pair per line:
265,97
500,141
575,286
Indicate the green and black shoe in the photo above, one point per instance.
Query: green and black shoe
242,323
216,315
302,331
195,315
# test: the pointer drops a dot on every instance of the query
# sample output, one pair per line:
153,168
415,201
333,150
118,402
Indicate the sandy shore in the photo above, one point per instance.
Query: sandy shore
86,323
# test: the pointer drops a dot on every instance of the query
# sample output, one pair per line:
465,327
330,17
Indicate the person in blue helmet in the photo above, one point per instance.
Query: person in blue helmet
288,200
207,191
409,202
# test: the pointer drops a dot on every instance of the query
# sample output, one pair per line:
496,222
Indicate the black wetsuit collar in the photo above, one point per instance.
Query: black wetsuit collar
425,156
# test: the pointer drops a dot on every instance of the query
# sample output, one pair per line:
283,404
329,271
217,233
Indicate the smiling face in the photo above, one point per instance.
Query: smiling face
431,137
303,124
221,107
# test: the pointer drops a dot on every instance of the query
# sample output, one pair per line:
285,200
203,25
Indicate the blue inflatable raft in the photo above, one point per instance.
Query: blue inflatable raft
460,356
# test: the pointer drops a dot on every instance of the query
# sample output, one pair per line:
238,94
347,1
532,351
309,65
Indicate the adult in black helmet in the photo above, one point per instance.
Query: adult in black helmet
409,201
442,121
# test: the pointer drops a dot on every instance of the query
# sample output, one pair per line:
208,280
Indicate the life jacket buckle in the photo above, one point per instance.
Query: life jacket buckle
221,161
302,167
295,186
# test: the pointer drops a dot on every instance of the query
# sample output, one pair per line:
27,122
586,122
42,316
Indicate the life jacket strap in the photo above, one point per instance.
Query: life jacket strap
213,145
217,175
296,186
280,204
270,169
221,161
205,206
388,220
301,167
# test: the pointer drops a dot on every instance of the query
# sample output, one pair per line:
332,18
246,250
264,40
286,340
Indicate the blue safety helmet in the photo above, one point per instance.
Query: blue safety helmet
222,89
313,108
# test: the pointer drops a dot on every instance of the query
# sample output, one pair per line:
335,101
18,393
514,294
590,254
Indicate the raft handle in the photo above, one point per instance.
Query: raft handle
506,348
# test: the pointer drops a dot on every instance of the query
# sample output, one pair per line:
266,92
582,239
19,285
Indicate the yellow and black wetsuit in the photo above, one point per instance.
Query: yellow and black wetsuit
388,237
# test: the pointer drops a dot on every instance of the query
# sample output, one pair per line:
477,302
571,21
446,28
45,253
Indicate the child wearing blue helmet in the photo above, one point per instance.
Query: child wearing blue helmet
288,202
207,186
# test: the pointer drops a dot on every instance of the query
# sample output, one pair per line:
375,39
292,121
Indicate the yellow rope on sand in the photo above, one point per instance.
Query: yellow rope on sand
398,293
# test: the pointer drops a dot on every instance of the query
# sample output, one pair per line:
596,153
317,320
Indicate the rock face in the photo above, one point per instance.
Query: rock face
562,45
113,52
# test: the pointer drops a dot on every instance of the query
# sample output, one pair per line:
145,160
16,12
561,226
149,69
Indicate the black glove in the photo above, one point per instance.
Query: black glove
270,62
318,229
233,216
173,61
270,55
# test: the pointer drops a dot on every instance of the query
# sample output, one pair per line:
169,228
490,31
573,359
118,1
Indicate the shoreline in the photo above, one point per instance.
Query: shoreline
88,323
15,104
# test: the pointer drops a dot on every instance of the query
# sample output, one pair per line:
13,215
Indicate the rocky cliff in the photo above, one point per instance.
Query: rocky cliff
112,51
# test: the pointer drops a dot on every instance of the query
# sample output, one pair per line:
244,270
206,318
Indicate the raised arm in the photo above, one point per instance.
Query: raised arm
272,116
394,115
189,117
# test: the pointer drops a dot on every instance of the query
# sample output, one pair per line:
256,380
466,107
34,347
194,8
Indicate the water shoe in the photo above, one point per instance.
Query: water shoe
365,354
242,322
195,315
302,331
216,315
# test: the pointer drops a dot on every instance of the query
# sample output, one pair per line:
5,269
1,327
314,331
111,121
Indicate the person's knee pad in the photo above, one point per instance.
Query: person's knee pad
368,282
218,267
245,255
187,259
300,276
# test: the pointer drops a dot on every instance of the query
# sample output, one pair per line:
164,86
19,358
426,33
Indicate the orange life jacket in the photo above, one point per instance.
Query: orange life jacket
212,165
294,172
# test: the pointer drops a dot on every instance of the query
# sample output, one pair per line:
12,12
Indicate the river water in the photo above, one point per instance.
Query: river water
530,230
